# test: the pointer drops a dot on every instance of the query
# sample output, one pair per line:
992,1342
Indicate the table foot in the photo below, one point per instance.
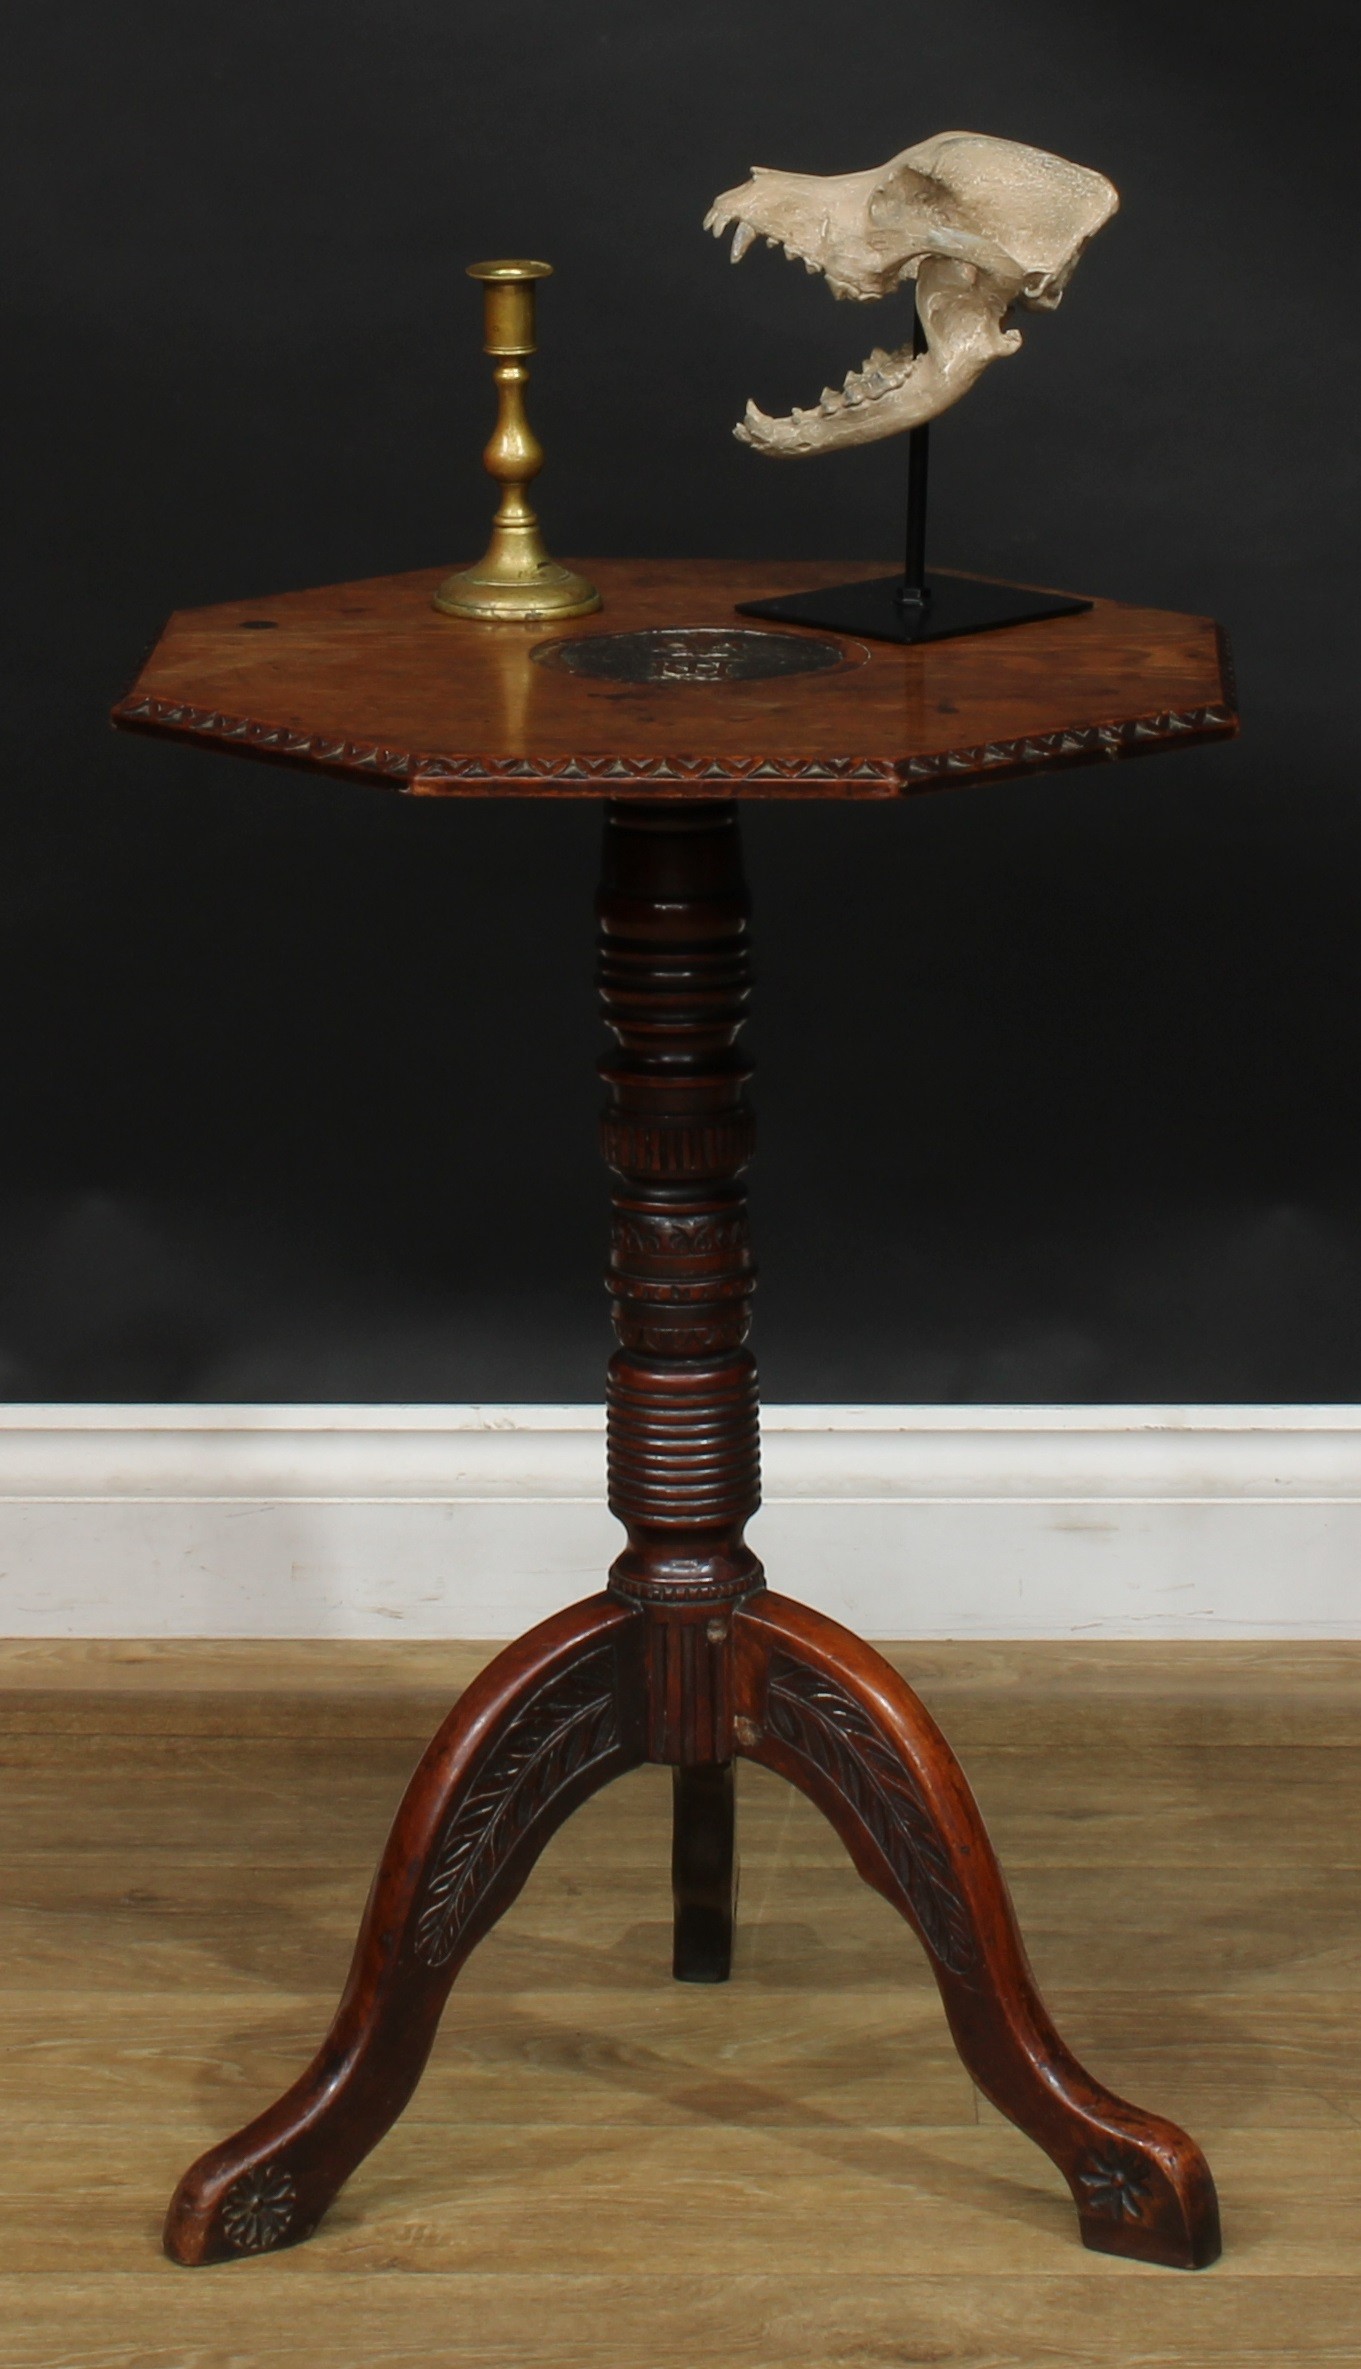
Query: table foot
831,1715
551,1720
703,1872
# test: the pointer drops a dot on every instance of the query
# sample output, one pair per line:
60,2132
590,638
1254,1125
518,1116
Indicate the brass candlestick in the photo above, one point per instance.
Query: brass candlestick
516,579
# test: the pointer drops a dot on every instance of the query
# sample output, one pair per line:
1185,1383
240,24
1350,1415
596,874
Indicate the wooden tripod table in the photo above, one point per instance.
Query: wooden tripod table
687,1657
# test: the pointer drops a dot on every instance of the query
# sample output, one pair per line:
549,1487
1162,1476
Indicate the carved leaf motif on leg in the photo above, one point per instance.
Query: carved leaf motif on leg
828,1727
257,2211
570,1726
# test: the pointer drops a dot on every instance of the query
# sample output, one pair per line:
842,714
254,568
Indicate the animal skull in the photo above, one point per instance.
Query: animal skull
979,224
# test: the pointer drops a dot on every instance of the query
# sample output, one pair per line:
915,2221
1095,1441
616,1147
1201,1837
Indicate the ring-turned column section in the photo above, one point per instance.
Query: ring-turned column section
684,1451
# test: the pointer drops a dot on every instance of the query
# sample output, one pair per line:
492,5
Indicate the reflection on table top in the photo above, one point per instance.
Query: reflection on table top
368,681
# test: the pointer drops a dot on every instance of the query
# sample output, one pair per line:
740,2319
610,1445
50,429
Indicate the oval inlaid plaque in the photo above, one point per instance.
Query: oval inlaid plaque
695,654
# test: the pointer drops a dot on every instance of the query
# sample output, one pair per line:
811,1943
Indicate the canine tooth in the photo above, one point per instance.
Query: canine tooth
741,239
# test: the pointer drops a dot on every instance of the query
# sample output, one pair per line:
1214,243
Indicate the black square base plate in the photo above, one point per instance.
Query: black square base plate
958,604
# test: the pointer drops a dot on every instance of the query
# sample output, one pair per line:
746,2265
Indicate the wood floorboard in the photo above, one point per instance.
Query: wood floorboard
663,2057
1276,1806
557,2199
787,2172
158,1928
281,2311
1020,1696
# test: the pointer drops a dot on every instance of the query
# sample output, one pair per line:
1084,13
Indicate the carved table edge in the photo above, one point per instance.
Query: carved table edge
430,774
1081,744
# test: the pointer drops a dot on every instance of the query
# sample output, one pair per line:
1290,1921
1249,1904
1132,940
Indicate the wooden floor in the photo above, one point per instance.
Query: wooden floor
602,2167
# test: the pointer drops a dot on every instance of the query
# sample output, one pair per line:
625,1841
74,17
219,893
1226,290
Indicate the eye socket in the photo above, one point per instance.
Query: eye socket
903,188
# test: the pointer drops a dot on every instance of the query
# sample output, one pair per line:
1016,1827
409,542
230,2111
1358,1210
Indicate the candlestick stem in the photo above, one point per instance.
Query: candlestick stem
515,581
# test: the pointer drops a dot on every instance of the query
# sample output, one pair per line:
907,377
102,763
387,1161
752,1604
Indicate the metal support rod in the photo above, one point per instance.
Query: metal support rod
914,593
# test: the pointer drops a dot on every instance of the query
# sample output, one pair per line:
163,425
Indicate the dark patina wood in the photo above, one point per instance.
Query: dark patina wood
703,1872
367,680
687,1658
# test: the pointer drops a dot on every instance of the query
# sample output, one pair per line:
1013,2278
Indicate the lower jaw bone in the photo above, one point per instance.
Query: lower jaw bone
856,415
963,319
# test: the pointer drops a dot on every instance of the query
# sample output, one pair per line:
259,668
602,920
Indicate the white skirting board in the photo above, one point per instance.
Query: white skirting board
390,1521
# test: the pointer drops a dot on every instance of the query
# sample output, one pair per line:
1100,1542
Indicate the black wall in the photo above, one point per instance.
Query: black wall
1061,1103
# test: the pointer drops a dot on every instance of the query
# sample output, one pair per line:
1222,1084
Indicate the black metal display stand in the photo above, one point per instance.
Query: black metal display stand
915,607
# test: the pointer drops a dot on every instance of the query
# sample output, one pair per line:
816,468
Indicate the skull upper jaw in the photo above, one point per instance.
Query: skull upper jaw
822,222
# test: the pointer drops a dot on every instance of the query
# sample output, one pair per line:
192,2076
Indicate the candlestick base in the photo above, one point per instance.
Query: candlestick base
501,595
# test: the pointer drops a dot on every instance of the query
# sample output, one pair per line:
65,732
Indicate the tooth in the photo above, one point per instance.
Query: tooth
741,239
879,359
770,242
808,263
831,399
854,392
754,427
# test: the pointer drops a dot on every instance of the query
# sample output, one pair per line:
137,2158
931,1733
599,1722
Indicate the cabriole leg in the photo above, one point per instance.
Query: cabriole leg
547,1723
835,1718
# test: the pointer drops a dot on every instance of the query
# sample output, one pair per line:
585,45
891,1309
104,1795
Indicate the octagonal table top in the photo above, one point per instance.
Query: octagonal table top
368,681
